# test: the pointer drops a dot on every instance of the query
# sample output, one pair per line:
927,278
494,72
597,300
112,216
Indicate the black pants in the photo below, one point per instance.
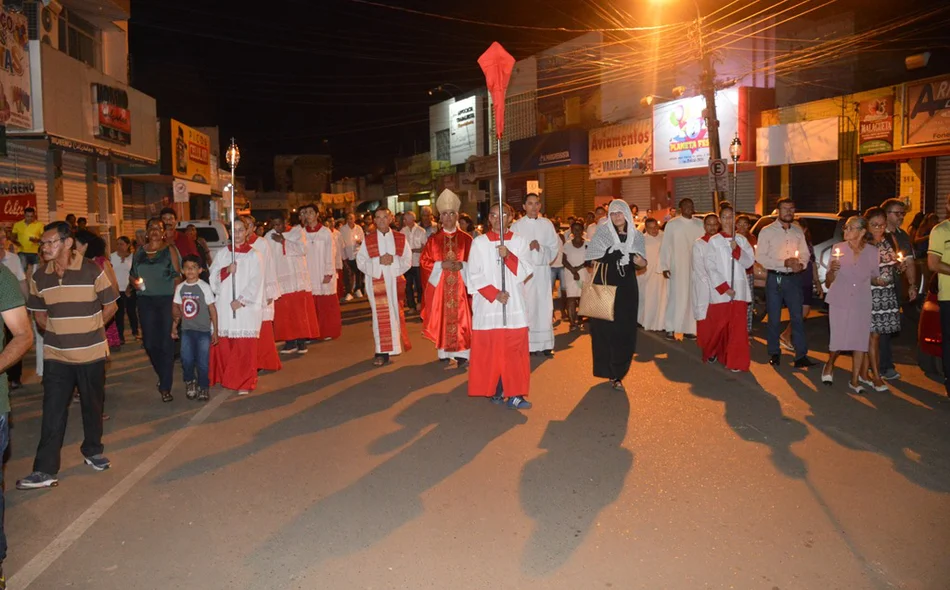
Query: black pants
353,277
15,372
155,313
945,327
127,305
413,288
59,380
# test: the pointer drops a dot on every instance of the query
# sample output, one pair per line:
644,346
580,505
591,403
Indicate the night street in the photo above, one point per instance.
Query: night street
335,475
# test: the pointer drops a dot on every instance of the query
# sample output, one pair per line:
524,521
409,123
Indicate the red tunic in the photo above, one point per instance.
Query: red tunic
447,309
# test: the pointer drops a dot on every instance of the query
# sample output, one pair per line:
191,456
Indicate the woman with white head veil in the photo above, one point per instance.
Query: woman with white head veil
620,248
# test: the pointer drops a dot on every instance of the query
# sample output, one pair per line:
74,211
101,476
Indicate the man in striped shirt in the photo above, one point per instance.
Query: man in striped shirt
72,300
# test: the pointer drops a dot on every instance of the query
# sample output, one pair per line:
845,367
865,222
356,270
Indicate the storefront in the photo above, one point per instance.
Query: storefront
559,162
621,161
25,180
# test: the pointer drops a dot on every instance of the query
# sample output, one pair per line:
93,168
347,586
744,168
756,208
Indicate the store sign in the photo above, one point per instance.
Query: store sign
621,150
464,127
876,125
114,120
551,150
191,153
928,111
15,196
15,102
681,139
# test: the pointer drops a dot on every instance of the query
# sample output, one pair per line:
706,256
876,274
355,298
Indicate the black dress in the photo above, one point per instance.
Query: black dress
614,343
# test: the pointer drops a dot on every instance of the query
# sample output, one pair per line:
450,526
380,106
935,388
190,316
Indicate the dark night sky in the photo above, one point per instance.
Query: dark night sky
341,76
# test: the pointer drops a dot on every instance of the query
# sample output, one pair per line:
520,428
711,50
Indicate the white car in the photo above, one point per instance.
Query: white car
214,233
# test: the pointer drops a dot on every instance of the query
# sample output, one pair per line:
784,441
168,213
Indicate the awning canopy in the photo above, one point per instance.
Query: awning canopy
910,153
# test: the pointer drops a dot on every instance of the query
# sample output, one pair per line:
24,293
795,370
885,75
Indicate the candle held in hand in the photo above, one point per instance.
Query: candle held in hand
837,252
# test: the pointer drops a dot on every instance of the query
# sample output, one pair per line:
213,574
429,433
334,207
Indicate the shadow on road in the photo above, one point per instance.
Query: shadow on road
457,428
371,396
582,472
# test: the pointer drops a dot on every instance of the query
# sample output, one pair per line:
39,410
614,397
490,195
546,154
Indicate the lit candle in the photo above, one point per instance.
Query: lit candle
796,253
837,252
900,257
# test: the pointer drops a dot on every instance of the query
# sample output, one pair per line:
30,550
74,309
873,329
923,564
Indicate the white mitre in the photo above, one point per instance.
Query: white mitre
448,201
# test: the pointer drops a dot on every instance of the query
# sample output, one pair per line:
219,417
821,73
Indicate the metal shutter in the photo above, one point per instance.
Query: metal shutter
745,201
814,187
943,185
567,192
28,163
695,188
636,191
552,191
134,209
75,187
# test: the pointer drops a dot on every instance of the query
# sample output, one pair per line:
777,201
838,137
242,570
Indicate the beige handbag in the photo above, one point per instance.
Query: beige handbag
597,301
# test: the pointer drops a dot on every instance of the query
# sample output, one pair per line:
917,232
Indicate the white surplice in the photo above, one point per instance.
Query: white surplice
485,270
271,286
540,304
676,253
720,266
249,284
699,279
373,269
321,251
290,261
653,286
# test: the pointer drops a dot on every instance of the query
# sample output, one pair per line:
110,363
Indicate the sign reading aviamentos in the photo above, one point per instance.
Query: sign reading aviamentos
681,140
928,111
621,150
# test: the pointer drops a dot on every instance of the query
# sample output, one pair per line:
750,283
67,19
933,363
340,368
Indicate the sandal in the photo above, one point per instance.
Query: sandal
618,385
380,361
166,396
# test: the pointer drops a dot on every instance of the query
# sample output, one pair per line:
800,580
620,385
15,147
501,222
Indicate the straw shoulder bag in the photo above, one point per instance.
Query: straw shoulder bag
597,301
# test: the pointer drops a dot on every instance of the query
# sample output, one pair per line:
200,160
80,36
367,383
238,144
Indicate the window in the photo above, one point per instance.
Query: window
443,150
78,38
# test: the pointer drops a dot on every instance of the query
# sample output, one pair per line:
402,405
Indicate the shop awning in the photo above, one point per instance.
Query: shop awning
910,153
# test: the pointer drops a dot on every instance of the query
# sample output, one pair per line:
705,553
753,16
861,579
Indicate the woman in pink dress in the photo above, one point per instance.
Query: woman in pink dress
853,269
93,247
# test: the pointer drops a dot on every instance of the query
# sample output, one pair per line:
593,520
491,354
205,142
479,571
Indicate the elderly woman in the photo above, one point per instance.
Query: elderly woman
619,249
885,307
852,272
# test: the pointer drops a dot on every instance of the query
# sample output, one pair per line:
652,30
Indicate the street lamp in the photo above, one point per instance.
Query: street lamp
442,88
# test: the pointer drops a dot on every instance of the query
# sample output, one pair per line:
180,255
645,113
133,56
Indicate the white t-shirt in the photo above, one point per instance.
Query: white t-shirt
122,269
12,262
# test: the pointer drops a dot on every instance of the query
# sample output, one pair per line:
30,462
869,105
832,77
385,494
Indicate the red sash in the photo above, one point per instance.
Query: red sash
381,298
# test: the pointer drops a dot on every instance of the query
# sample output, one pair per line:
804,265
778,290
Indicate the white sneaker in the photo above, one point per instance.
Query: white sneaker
244,392
359,294
348,297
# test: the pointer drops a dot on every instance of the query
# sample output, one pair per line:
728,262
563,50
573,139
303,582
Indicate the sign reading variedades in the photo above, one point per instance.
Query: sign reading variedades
113,118
876,125
928,111
191,155
621,150
14,71
680,137
15,196
464,129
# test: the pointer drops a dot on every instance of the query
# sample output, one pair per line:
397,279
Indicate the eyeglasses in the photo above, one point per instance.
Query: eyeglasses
878,225
897,212
44,243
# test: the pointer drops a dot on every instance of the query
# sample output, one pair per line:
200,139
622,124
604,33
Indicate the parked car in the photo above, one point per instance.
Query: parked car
929,337
827,229
214,233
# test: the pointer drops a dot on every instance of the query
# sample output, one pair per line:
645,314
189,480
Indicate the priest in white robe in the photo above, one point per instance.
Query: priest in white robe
233,361
384,258
544,247
651,282
676,253
321,252
295,317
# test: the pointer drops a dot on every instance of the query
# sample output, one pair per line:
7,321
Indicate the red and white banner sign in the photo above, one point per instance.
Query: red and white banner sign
12,206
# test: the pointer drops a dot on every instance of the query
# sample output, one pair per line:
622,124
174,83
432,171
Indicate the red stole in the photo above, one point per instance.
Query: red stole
447,310
381,298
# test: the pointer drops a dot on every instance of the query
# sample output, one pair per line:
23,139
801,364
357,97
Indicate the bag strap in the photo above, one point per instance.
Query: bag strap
593,274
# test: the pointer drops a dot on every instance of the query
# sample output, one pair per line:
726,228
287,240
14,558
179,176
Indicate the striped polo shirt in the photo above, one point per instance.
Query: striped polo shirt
73,304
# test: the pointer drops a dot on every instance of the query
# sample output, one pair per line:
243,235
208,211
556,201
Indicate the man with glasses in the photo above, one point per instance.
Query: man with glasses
895,211
72,300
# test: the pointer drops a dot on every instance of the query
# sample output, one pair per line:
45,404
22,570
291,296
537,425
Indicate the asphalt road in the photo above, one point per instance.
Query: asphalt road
336,475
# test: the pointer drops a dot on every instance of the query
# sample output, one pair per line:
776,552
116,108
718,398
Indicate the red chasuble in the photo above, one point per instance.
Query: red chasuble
381,298
447,310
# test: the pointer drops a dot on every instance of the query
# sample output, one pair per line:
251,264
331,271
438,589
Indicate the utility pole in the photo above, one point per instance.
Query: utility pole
708,84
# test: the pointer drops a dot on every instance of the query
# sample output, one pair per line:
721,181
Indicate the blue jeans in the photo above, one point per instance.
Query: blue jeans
195,353
4,440
557,274
785,289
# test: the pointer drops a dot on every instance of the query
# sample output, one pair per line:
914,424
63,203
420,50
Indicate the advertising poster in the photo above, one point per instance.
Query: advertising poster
621,150
928,111
191,154
463,129
113,118
680,137
15,196
876,125
14,71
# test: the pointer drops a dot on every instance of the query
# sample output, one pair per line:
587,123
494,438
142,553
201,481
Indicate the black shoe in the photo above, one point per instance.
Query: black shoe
670,336
14,385
804,363
689,336
775,360
548,353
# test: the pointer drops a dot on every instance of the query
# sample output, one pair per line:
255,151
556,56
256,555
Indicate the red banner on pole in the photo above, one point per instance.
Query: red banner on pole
497,65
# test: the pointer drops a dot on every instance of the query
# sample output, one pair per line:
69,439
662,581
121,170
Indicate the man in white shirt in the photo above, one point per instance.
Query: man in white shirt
676,251
352,235
543,247
783,251
600,218
426,222
320,265
384,258
416,238
650,281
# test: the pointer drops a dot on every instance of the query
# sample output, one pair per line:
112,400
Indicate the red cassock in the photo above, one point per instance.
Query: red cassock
447,309
725,334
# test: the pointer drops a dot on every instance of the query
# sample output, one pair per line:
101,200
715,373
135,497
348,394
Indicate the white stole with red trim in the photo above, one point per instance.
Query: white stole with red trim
387,288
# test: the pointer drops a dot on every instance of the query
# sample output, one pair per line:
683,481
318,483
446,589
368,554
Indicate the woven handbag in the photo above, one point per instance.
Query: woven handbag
597,301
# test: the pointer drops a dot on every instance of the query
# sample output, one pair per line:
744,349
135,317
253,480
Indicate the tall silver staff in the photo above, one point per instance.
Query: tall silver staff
735,150
233,157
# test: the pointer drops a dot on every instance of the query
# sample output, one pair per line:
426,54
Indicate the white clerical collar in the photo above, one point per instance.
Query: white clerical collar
452,231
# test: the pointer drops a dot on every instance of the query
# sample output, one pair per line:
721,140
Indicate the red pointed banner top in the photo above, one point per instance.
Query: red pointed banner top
497,65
